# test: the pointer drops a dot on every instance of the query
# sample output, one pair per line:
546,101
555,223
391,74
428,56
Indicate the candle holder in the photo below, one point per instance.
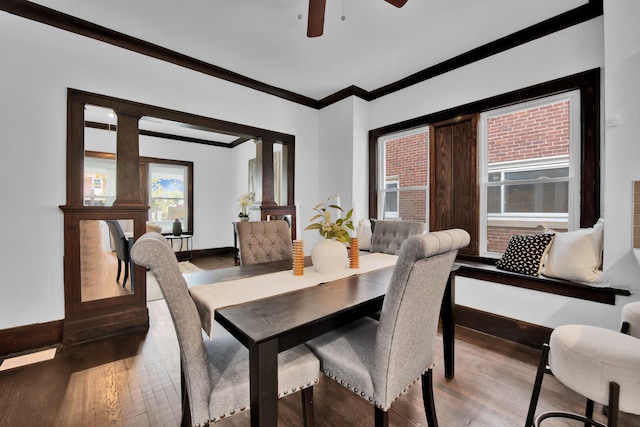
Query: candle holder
354,253
298,258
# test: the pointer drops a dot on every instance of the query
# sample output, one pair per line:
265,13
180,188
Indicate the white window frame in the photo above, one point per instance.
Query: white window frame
568,221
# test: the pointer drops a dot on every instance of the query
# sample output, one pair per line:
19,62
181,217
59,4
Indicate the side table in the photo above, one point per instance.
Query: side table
183,237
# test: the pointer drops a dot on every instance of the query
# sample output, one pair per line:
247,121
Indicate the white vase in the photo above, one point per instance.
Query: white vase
329,256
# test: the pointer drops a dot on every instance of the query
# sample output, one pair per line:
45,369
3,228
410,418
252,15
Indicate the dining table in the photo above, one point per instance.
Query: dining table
270,324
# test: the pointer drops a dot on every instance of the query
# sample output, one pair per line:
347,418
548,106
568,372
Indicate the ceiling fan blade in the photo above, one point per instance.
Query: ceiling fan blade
397,3
315,24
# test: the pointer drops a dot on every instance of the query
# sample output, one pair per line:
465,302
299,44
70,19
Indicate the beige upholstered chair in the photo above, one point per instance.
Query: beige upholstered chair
264,241
215,373
388,236
600,364
380,360
631,319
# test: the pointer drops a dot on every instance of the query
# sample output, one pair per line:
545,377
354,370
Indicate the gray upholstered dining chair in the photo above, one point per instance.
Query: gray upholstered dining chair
380,360
388,236
215,373
264,241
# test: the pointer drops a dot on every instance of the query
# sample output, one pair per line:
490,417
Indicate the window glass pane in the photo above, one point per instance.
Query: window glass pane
530,142
168,196
413,205
536,174
537,198
99,181
279,174
403,187
494,200
391,200
100,135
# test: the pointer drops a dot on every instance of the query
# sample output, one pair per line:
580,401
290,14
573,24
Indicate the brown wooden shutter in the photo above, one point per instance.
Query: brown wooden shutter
454,179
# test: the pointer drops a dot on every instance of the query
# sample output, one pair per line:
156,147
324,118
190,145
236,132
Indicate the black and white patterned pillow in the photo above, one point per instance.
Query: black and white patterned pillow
525,253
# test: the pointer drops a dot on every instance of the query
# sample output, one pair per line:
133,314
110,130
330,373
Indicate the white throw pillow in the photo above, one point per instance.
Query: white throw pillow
576,255
364,235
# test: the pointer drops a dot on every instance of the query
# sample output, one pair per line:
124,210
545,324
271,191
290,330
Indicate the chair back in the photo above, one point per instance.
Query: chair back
152,251
264,241
406,336
388,236
119,239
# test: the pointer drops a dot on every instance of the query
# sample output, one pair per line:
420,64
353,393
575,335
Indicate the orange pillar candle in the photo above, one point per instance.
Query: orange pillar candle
298,258
354,253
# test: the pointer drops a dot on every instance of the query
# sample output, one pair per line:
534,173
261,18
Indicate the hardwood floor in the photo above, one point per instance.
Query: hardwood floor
134,380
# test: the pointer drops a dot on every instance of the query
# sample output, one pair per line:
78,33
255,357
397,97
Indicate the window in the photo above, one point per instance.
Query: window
169,187
558,188
168,199
529,161
403,183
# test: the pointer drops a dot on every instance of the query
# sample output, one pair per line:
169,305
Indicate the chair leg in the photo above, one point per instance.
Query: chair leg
186,408
427,398
588,413
537,385
381,417
307,407
625,328
126,274
614,404
119,271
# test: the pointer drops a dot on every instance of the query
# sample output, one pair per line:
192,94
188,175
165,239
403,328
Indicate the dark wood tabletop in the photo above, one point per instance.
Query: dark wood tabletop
270,325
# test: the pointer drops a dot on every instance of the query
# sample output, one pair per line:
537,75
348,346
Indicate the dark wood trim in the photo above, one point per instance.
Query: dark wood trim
47,16
529,334
189,184
28,337
489,273
202,253
343,94
81,27
194,121
108,127
560,22
103,325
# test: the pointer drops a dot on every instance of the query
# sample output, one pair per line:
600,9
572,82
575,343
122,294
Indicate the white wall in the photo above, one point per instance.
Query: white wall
622,142
38,64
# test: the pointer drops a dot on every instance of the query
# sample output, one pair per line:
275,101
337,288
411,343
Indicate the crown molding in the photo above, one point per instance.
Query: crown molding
45,15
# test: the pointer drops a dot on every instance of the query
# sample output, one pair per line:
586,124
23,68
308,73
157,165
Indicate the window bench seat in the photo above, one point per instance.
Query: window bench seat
487,271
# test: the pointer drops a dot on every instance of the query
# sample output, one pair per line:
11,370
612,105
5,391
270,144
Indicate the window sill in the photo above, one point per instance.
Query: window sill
484,269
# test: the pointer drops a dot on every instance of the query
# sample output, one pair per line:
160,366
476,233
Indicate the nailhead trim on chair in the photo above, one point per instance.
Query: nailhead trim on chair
363,394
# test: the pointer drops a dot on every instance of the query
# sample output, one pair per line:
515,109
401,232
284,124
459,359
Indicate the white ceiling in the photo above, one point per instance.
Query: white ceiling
377,44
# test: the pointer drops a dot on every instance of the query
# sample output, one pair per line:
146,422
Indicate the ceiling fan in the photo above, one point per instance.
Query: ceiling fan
315,25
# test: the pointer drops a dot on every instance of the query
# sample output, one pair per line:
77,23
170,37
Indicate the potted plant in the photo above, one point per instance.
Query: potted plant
245,201
330,254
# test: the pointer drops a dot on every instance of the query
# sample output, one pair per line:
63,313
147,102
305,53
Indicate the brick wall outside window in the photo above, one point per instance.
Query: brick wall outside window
537,132
407,158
